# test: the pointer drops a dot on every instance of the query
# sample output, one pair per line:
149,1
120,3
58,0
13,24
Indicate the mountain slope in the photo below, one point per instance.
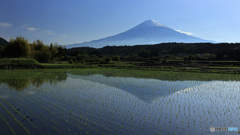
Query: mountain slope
3,41
148,32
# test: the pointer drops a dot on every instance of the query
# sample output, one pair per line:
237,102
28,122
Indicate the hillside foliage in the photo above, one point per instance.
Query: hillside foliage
219,51
21,48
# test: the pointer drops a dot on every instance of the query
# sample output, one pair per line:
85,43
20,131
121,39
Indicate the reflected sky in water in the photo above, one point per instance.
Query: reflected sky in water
117,105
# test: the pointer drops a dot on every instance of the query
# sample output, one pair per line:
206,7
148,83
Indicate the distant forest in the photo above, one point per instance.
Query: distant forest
219,51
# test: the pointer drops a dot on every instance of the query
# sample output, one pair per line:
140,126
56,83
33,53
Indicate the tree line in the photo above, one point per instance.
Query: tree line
21,48
203,51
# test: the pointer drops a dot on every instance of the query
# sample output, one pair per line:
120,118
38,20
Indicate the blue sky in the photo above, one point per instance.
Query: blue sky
76,21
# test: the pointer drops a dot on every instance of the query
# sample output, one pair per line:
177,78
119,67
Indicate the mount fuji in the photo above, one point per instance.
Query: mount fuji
148,32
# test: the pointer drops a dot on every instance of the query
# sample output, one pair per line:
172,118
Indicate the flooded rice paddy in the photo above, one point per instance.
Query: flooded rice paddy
67,103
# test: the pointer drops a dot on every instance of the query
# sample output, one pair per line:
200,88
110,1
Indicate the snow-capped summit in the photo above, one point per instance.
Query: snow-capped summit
147,32
150,23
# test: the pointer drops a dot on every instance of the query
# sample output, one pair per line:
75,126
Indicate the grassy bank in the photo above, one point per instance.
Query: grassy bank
19,63
173,66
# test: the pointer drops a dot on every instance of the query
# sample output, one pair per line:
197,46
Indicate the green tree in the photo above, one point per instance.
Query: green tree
42,55
53,50
62,51
18,47
93,58
144,53
39,45
40,52
107,60
116,58
82,56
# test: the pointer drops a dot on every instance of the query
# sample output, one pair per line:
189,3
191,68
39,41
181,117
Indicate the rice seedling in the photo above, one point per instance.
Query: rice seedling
120,103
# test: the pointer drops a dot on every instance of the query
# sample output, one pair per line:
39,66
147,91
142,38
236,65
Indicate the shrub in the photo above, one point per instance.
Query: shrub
71,61
42,56
107,60
116,58
18,62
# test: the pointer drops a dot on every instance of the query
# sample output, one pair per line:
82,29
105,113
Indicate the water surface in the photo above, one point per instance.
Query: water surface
67,103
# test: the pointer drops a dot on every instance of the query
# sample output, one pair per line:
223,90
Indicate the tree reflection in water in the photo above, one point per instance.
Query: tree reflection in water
21,79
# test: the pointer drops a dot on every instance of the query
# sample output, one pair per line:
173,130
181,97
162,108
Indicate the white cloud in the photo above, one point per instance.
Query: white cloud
48,32
31,28
3,24
187,33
